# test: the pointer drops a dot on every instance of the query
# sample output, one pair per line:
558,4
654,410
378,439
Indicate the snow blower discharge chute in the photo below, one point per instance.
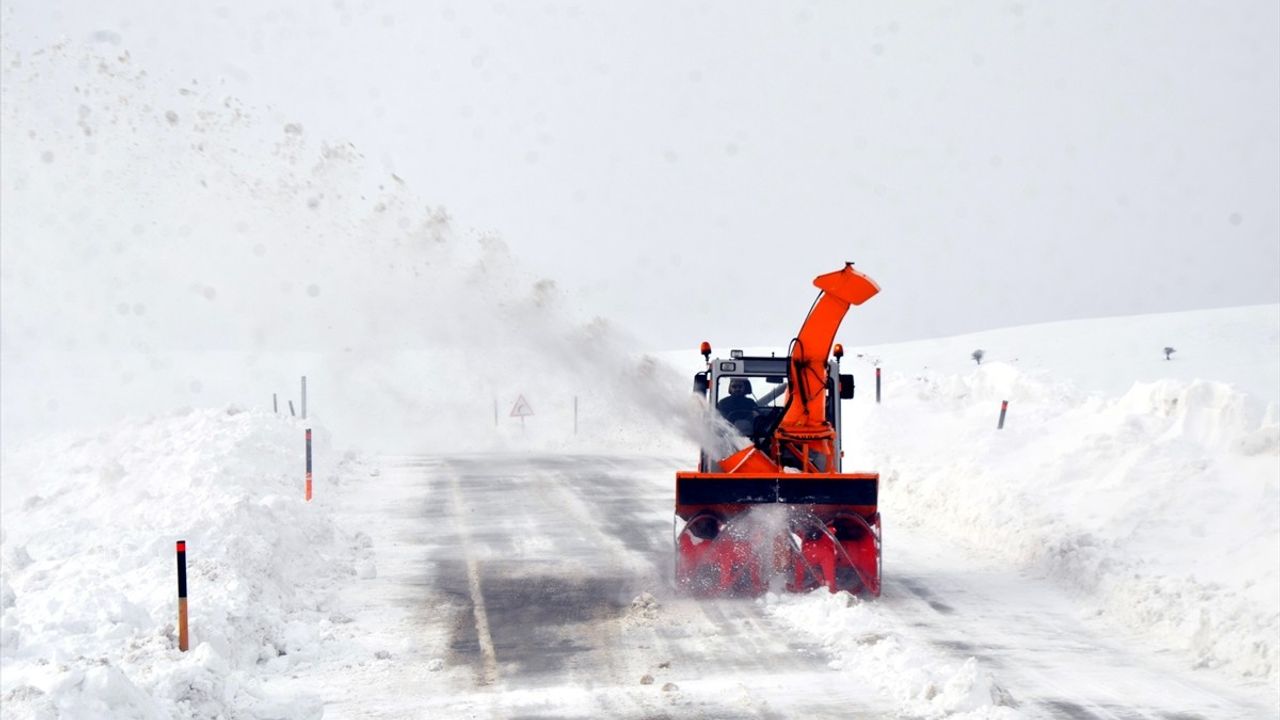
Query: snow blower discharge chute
780,507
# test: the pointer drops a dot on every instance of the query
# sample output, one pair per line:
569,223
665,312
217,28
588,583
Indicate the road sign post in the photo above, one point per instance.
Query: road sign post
521,409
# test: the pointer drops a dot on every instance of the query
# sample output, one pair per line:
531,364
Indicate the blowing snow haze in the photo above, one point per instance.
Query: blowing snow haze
991,166
163,246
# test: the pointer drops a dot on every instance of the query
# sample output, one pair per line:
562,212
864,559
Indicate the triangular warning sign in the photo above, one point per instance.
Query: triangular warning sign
521,408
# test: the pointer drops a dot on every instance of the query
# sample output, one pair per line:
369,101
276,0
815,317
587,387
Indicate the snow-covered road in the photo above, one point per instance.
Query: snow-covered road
538,586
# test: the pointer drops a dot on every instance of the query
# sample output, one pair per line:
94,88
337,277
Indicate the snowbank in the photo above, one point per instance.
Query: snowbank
89,587
1161,507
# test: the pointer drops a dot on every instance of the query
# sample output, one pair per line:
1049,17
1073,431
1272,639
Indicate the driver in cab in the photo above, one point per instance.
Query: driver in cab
736,407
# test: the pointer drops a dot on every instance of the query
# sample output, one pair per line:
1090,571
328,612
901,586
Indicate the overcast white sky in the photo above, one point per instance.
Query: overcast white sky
686,168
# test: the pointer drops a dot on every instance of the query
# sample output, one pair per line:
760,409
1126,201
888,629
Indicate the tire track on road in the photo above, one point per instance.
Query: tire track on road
483,635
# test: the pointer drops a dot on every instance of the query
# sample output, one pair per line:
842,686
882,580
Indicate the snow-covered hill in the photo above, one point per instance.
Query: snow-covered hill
1237,346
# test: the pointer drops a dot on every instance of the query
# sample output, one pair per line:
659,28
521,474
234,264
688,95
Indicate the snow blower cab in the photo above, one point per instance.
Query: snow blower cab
772,505
750,393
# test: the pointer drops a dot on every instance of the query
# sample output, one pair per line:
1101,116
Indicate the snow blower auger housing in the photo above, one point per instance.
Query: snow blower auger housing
780,506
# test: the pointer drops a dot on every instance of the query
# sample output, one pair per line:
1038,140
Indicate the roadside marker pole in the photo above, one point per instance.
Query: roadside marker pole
575,414
304,397
291,412
495,412
275,404
308,464
183,637
1004,406
877,384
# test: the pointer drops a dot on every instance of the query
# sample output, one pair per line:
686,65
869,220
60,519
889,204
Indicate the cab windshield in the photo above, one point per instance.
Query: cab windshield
749,402
764,391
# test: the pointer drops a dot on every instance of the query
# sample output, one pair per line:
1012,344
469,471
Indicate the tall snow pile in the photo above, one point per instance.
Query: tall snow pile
89,589
1159,506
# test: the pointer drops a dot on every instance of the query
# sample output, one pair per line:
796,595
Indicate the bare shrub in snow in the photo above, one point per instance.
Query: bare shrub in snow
1169,351
978,355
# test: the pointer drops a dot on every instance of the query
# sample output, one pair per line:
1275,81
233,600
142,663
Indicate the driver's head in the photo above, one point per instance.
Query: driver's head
739,386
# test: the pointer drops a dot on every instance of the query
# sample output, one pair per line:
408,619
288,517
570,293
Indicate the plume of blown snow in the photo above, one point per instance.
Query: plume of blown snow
207,254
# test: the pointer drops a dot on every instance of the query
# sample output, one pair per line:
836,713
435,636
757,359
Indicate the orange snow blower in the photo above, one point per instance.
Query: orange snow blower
780,507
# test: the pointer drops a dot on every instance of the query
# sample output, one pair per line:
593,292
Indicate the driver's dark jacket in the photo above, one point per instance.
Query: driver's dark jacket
735,403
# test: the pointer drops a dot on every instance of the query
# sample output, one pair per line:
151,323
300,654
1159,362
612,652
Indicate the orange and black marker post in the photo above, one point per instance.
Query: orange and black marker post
308,464
183,637
1004,407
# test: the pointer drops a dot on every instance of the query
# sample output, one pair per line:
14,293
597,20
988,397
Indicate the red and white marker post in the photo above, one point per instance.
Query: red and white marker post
877,384
183,637
1004,407
308,464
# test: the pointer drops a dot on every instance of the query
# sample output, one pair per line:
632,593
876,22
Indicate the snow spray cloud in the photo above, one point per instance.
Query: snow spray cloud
163,245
